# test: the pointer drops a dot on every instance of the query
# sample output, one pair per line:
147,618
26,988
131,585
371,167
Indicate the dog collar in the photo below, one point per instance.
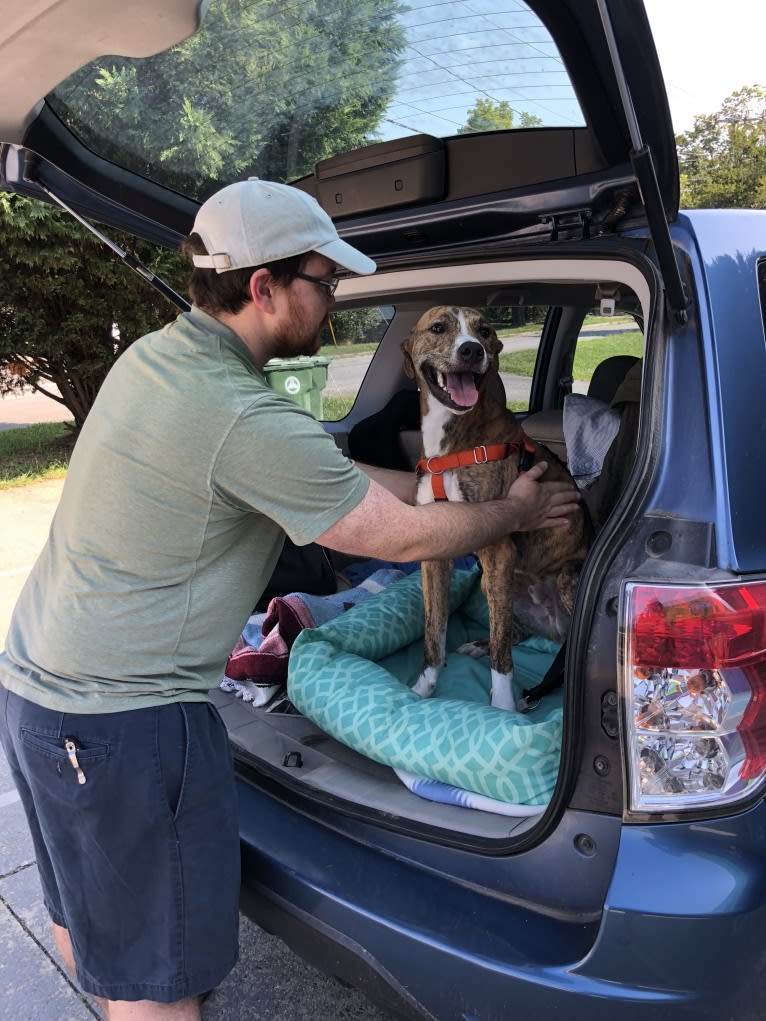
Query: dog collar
436,466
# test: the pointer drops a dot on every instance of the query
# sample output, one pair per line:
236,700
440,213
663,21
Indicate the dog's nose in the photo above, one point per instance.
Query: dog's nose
471,352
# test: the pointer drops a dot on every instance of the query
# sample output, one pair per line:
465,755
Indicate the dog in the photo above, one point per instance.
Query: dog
473,450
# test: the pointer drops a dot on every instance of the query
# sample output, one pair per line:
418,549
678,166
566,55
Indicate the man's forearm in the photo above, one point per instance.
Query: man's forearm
385,528
449,530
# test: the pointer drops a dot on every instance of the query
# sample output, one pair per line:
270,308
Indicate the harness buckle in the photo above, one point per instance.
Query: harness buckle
433,471
476,458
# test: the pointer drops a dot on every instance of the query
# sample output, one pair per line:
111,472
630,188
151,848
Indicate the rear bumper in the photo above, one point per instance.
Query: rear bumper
679,937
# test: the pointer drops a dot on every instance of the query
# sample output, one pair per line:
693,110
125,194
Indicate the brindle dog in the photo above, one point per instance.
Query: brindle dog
528,578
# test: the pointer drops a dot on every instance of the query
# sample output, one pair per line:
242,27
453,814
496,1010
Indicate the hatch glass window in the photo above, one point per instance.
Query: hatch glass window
269,89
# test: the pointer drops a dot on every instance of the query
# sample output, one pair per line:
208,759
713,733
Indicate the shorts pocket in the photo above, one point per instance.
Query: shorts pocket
48,750
173,754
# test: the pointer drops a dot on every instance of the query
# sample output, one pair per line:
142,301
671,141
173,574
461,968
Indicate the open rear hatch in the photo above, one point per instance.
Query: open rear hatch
507,124
119,139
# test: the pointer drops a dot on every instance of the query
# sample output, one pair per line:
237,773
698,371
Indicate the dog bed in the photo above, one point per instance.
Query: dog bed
352,677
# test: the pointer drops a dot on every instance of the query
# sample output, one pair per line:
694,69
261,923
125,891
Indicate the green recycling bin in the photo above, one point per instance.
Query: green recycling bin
301,379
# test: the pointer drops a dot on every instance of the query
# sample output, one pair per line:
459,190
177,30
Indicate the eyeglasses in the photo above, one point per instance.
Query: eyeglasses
329,285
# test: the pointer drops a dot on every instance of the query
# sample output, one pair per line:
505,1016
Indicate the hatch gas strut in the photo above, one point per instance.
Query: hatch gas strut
31,166
646,177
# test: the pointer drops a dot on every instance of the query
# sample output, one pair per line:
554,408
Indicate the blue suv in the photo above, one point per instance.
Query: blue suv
518,158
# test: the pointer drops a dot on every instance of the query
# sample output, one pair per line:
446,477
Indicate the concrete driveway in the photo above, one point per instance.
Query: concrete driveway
25,514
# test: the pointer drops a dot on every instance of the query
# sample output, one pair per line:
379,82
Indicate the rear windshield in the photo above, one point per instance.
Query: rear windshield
268,88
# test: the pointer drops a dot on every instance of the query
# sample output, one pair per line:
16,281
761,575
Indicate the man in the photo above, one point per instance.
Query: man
186,477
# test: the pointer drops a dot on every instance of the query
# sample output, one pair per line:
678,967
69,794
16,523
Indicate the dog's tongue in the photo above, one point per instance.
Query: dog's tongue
462,388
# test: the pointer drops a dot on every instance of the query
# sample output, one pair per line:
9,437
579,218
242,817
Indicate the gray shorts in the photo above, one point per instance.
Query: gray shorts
138,848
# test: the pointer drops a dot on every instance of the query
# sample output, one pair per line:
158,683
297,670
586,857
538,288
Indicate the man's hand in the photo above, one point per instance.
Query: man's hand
542,504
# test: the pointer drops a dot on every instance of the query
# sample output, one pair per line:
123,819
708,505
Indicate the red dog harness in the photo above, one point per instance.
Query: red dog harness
436,466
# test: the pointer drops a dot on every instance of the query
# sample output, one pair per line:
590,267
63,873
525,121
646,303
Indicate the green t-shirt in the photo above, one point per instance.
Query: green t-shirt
186,476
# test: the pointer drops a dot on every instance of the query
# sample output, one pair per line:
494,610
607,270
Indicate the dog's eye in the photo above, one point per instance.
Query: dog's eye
484,331
436,327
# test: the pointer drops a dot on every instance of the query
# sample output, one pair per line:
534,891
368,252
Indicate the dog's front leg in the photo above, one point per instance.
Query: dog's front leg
435,575
497,563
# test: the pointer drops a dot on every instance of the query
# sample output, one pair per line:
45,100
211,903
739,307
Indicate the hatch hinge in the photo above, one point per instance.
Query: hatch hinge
646,176
571,225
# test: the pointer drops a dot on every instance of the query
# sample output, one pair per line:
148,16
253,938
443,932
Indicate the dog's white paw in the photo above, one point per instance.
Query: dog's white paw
425,684
502,691
475,649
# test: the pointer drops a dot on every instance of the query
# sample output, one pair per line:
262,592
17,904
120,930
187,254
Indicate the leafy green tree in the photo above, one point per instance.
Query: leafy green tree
355,326
489,115
62,294
722,160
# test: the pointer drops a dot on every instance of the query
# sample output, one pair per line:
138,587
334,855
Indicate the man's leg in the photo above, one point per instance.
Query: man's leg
125,1010
64,945
148,1010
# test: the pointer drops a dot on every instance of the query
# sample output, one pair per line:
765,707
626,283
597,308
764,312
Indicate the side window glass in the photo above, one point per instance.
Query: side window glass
519,328
326,384
762,290
349,343
600,362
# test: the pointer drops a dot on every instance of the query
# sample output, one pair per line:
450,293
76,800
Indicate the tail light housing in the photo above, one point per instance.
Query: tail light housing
694,686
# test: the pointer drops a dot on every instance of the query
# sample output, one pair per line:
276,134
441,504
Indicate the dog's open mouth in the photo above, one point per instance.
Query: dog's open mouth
458,390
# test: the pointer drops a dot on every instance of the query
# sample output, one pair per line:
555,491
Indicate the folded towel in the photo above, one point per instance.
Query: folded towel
257,667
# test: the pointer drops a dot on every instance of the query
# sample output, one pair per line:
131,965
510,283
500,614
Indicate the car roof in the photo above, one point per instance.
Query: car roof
203,94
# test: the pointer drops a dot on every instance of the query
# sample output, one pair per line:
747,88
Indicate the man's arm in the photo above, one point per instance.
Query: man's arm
383,526
402,484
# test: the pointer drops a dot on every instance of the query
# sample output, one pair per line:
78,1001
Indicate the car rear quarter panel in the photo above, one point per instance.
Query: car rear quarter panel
727,328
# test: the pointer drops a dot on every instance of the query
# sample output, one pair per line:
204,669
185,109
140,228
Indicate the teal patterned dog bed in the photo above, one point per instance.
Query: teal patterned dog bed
351,676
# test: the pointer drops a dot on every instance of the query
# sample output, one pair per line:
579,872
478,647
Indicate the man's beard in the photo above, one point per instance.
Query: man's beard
299,336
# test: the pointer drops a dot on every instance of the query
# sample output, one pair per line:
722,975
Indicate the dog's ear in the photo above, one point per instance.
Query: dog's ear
408,364
495,348
496,345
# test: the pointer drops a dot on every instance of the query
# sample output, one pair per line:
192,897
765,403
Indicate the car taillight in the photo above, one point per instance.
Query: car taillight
694,683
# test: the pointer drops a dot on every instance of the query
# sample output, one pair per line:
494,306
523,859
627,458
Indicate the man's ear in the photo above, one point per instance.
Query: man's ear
262,289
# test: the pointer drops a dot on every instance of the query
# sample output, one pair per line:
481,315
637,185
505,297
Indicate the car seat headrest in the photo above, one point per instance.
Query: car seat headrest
608,375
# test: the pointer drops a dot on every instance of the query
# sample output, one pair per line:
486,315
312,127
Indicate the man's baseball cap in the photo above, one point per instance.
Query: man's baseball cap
255,222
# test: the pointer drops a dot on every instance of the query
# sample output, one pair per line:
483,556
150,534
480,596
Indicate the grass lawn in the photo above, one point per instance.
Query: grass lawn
34,452
588,355
346,350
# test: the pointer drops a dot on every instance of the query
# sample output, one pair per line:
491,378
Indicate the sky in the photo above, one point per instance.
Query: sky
708,49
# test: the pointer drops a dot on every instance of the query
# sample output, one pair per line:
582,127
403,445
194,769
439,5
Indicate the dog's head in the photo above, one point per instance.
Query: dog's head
450,352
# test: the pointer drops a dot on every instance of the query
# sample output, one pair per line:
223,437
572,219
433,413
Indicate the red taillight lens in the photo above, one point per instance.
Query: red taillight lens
694,677
719,626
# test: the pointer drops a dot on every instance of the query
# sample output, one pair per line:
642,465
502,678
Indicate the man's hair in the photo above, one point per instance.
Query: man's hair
229,292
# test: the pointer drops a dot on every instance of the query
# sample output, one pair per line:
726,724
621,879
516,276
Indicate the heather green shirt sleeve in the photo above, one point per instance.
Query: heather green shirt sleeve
186,476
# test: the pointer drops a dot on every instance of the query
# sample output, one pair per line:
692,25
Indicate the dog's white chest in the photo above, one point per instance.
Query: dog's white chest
432,427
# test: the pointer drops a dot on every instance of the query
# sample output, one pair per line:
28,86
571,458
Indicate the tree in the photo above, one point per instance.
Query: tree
62,293
489,115
279,88
722,160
